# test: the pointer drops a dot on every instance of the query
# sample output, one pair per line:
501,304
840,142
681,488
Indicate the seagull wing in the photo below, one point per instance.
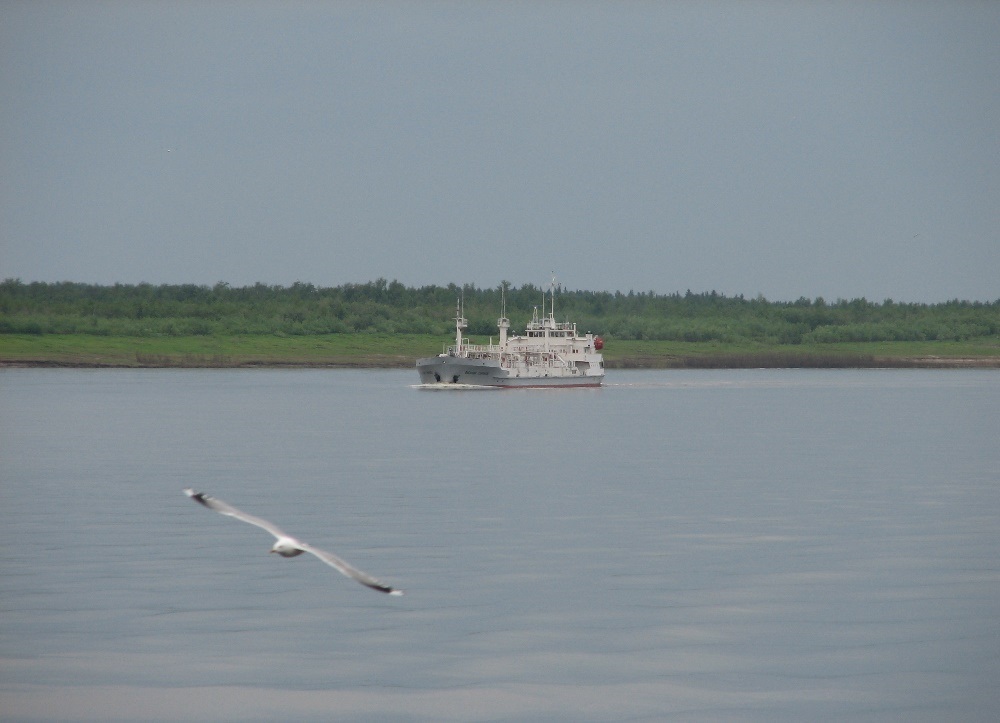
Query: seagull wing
352,572
224,508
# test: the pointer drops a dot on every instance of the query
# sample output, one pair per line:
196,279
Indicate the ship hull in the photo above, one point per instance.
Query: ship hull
448,370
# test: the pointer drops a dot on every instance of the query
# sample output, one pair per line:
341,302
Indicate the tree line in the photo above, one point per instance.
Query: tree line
389,307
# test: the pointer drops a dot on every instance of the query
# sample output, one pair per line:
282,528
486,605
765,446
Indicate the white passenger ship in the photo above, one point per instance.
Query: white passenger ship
549,354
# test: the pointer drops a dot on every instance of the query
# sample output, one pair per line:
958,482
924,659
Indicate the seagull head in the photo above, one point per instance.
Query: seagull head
286,547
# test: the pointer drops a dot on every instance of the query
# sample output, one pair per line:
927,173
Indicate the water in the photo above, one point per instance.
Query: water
679,545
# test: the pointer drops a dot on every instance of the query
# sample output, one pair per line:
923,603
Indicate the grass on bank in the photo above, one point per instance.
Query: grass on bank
714,355
400,351
358,350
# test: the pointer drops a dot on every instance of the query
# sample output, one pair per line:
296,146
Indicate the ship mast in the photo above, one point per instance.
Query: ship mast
550,323
552,297
460,323
503,323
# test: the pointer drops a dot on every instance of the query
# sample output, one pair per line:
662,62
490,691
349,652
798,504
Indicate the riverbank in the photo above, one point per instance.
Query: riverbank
401,351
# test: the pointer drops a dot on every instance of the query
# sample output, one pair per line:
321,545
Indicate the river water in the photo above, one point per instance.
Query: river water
678,545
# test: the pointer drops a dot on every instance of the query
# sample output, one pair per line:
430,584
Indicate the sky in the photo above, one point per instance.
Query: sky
785,149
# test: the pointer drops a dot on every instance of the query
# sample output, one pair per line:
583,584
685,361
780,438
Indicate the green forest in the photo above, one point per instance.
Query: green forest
390,308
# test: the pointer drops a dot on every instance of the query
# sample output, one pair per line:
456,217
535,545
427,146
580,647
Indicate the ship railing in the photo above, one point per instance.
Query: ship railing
477,350
551,325
560,346
533,358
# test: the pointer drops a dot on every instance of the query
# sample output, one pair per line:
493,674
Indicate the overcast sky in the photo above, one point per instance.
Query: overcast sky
835,149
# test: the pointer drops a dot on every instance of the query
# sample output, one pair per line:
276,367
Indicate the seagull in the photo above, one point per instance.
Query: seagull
288,546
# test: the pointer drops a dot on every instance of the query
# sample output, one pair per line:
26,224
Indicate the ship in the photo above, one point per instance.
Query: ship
549,354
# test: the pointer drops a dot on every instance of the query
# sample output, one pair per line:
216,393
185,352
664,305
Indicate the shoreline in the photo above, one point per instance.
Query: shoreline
700,362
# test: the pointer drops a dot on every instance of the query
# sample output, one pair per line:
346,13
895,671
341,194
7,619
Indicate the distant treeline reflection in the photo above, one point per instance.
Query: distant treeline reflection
389,307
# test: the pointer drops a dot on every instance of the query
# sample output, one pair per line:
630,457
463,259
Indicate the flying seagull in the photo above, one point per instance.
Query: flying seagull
288,546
